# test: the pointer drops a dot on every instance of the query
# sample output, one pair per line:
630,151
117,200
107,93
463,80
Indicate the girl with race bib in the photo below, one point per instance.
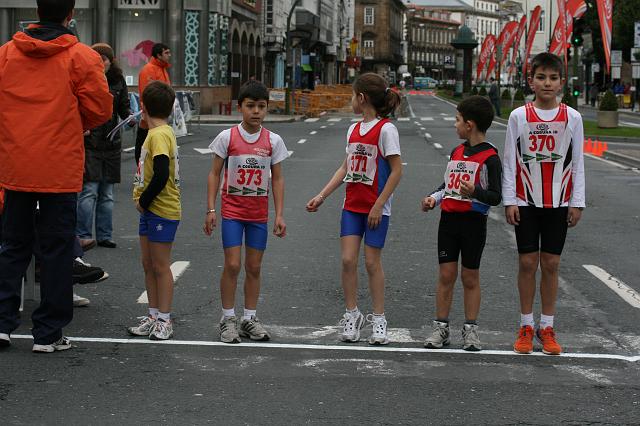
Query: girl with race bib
371,169
250,156
472,183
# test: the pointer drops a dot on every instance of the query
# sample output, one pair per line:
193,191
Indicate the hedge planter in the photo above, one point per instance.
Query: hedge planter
505,104
607,119
518,104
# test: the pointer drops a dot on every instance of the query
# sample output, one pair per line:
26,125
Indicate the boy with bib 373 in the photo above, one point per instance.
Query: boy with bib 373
250,156
472,184
543,192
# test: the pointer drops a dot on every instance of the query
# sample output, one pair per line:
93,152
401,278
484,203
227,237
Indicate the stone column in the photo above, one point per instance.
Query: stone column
103,21
174,40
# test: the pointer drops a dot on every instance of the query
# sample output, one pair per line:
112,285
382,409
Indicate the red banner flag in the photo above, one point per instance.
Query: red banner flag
562,21
605,13
531,33
516,43
575,10
487,48
505,39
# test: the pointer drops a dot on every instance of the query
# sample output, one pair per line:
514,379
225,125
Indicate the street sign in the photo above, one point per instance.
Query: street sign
595,67
636,34
277,95
616,58
615,72
636,70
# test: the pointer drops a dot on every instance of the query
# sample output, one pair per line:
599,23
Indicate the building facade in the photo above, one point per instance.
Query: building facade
429,34
379,31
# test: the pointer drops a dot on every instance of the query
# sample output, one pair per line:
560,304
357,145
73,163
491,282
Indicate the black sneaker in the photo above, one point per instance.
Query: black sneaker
84,273
107,244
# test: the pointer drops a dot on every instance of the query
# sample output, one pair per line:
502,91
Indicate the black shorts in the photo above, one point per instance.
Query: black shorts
464,233
542,229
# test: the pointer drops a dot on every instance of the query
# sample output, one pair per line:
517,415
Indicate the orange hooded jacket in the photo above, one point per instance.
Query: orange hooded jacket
154,70
50,92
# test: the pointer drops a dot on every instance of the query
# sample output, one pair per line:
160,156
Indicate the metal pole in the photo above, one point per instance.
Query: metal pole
289,76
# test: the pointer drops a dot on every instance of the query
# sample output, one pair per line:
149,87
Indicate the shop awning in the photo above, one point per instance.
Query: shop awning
307,68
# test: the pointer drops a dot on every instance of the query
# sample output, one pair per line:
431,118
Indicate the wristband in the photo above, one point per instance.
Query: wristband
211,211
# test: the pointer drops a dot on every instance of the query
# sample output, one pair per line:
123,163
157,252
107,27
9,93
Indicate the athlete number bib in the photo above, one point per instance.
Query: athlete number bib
361,163
544,142
458,171
248,175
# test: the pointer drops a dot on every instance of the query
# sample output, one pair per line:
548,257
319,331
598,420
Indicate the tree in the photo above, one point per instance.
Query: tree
625,14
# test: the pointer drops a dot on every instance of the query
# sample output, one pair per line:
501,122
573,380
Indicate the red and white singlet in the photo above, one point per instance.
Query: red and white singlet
246,178
544,160
367,169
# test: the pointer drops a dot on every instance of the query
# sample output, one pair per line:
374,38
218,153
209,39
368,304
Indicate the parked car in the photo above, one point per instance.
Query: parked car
420,83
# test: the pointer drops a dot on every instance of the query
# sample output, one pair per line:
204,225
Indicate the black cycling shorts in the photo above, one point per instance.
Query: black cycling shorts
464,233
542,229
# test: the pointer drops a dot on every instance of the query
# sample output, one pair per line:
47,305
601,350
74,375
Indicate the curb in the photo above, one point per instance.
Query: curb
613,138
622,159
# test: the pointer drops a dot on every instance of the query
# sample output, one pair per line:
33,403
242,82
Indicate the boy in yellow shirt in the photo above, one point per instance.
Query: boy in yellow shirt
157,196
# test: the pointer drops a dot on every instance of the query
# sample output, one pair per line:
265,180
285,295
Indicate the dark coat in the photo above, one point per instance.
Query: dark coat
102,157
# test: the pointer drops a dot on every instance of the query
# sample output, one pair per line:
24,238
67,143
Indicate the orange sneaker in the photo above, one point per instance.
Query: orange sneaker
524,343
547,337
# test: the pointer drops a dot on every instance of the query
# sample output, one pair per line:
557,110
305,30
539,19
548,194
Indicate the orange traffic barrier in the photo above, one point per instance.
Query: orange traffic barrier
605,147
599,148
588,146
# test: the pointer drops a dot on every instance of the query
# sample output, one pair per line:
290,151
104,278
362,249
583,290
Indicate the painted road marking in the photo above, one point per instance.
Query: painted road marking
437,145
427,119
427,135
627,294
626,123
344,348
302,141
404,164
335,120
177,269
203,150
404,119
290,153
613,163
353,120
311,120
449,119
323,127
129,149
313,132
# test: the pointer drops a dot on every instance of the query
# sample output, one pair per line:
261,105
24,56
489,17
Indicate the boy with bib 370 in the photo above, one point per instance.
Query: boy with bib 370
250,156
544,193
472,184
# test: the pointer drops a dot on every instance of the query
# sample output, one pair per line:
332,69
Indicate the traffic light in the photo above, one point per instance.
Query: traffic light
568,54
576,91
578,29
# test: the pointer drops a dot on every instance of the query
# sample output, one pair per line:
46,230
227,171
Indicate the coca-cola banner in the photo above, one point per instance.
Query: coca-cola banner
516,43
562,22
504,41
575,10
488,45
605,13
531,33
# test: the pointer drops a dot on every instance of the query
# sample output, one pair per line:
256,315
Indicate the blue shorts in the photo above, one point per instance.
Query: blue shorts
356,224
157,229
255,234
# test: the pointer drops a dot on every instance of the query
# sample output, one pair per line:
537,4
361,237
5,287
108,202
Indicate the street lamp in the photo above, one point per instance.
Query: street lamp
289,76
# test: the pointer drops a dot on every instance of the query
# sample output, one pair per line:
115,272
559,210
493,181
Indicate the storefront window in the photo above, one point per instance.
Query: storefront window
82,23
136,33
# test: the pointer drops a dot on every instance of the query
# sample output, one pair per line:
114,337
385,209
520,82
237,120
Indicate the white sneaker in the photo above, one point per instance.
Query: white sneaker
144,327
351,327
439,337
163,330
5,340
79,301
61,344
379,333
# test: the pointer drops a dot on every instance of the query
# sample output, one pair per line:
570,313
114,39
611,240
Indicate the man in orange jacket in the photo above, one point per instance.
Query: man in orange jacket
52,88
156,69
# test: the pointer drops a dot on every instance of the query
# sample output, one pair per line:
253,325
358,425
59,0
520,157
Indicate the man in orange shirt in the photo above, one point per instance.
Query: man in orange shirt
156,69
52,89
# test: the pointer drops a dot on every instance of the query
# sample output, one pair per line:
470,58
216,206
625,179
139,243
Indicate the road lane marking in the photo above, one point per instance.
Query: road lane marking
203,150
302,141
427,135
427,119
612,163
345,348
404,119
177,269
627,294
311,120
129,149
437,145
404,164
449,119
335,120
290,153
313,132
353,120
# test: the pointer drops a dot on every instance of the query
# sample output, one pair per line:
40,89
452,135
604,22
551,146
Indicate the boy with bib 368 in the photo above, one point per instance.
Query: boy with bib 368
472,184
250,156
544,193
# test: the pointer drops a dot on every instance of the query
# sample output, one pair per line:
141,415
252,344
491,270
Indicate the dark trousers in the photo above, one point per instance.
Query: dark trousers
140,137
53,232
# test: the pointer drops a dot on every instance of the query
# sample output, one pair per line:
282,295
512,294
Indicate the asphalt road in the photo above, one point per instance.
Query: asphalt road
304,376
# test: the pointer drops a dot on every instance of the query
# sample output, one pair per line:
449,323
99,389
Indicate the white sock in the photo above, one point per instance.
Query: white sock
228,313
526,319
546,321
248,313
378,317
354,313
153,312
164,316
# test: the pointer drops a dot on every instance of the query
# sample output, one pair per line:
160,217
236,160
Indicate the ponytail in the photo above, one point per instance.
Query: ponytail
374,88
